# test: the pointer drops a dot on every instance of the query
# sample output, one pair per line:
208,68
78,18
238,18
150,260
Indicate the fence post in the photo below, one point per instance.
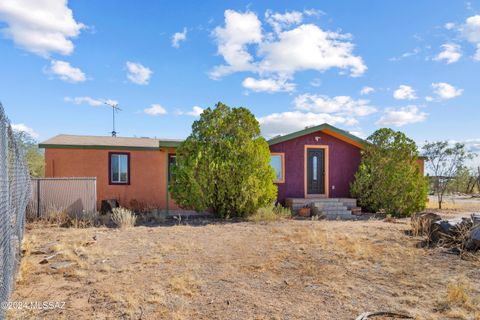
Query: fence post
38,198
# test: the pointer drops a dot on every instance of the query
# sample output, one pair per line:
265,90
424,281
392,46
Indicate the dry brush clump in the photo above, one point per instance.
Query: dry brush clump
271,213
123,217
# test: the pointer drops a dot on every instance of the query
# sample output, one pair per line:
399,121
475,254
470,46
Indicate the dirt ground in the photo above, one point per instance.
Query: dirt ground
280,270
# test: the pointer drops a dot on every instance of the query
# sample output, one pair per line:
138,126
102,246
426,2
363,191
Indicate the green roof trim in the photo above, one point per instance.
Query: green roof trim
324,126
169,143
71,146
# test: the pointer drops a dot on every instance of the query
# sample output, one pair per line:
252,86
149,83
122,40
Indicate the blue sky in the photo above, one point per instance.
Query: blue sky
293,64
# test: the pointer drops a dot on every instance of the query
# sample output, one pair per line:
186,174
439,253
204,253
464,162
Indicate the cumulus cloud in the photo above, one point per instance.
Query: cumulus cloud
286,122
470,30
20,127
195,112
240,30
268,85
293,47
279,21
404,92
340,105
446,91
155,110
138,73
366,90
451,53
40,26
402,116
65,71
179,37
90,101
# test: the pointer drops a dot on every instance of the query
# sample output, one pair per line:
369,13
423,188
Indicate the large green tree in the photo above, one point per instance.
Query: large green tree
389,177
224,165
33,155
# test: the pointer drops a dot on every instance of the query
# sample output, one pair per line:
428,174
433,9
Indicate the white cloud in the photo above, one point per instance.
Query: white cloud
65,71
449,25
451,53
137,73
179,37
340,105
240,30
404,92
470,30
366,90
476,57
407,54
429,98
305,47
155,110
90,101
268,85
286,122
195,112
279,21
402,116
446,91
40,26
20,127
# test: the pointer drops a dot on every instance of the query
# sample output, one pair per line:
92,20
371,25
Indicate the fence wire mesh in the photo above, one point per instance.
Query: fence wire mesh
14,196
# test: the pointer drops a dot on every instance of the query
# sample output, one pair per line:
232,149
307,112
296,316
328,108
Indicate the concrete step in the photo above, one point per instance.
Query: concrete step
330,206
338,212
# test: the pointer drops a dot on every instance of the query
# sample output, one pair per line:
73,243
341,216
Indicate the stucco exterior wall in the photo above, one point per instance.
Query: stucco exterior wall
343,159
147,174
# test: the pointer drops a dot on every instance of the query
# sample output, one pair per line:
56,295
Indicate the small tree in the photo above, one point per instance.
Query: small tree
389,176
33,155
445,163
224,165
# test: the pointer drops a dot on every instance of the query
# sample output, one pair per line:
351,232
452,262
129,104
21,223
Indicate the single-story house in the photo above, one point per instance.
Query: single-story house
318,162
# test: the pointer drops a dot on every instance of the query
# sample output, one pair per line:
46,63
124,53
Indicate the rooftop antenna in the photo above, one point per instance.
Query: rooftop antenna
115,108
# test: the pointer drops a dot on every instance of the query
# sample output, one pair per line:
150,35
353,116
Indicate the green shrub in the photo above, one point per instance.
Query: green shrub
224,165
271,213
123,217
389,176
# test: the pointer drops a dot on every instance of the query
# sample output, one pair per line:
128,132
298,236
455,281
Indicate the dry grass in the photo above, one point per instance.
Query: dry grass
271,213
280,270
123,218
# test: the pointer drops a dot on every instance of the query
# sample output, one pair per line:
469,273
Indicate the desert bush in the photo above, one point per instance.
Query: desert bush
86,219
224,165
123,217
389,177
271,213
55,215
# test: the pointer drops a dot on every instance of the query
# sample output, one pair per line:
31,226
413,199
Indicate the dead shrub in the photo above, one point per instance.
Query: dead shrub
86,219
271,213
456,293
123,218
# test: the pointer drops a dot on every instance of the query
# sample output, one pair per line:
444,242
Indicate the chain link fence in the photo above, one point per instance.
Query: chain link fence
14,196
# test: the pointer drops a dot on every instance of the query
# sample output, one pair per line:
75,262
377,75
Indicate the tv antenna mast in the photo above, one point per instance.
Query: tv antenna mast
115,109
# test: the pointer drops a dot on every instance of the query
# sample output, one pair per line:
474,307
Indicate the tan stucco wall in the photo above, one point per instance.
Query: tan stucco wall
147,174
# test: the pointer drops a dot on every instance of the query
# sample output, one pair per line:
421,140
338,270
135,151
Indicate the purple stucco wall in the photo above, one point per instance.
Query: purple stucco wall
344,159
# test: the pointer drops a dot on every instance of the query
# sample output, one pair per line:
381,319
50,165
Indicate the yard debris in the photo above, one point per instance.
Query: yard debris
45,261
458,234
108,205
473,241
451,229
62,265
422,221
368,315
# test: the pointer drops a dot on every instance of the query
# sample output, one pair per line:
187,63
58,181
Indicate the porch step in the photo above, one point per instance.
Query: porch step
331,208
